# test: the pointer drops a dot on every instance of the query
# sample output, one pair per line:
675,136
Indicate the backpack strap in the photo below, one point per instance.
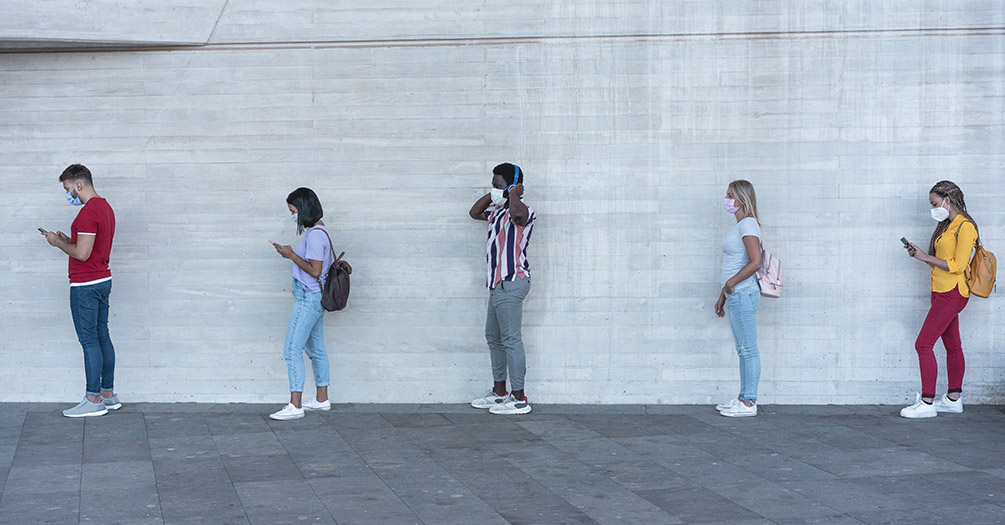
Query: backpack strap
331,247
335,260
978,243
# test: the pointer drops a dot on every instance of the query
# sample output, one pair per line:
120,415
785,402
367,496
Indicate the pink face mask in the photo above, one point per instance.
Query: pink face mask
730,205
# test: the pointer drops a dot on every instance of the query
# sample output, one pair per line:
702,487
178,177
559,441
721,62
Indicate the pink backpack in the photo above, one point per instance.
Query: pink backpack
769,275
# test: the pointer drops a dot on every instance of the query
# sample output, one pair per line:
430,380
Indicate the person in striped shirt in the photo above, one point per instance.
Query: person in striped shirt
510,225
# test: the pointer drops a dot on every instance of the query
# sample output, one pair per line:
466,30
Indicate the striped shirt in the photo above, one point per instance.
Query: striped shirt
506,248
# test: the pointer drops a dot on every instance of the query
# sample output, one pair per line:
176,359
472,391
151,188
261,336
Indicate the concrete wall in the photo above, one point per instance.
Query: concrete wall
629,118
30,24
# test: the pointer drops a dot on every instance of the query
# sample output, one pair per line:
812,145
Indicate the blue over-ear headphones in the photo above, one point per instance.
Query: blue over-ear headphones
516,177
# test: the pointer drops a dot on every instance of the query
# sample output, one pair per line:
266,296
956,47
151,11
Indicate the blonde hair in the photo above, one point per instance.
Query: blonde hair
743,192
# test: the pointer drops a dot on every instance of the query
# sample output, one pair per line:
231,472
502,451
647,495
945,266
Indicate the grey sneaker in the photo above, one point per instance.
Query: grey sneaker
85,409
511,405
490,400
112,403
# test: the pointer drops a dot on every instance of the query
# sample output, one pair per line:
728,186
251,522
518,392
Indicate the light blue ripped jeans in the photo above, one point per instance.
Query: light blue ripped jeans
306,333
741,307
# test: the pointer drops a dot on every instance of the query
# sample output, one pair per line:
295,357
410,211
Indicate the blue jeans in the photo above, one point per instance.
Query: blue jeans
89,308
306,332
503,331
742,309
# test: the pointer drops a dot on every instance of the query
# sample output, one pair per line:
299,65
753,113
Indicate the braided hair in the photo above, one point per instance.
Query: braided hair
949,190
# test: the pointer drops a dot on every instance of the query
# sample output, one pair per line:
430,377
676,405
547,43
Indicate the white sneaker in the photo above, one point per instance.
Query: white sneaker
944,404
919,409
728,404
510,405
490,400
314,405
740,410
288,412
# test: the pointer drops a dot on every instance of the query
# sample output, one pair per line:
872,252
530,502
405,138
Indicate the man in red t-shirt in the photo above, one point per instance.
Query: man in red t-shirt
89,246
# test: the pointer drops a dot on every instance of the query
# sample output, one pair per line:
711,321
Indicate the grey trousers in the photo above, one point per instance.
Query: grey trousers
502,331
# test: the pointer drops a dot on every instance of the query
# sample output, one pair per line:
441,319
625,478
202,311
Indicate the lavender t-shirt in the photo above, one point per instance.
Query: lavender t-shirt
313,246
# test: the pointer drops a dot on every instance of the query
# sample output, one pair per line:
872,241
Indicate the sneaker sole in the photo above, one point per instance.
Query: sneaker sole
114,407
487,405
926,416
517,412
325,409
286,418
743,414
89,414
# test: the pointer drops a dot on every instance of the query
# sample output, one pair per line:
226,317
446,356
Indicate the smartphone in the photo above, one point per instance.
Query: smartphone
904,240
43,230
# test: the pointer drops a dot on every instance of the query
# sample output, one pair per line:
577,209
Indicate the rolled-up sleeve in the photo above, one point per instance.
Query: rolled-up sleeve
965,243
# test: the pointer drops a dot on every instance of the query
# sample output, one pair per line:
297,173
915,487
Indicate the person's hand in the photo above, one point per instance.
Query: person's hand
62,236
284,250
516,190
914,251
728,288
720,306
51,237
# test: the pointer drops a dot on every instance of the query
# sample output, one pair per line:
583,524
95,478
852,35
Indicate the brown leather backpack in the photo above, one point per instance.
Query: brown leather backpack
335,290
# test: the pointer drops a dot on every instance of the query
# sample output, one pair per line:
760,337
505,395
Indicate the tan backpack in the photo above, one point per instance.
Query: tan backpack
981,272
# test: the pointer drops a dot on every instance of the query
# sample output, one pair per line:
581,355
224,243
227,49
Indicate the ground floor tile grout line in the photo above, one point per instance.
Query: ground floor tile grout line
153,467
219,454
7,476
305,480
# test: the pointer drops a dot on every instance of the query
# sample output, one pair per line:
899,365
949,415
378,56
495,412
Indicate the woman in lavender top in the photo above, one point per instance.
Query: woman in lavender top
311,259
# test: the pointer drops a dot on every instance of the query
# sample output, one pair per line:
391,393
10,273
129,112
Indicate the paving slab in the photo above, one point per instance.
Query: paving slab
409,464
51,507
362,498
283,501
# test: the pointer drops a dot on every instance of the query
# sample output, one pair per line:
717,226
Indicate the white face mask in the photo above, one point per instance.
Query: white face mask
497,197
294,217
940,214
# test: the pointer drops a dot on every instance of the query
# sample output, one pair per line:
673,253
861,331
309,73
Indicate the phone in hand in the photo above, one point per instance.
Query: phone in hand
43,230
904,240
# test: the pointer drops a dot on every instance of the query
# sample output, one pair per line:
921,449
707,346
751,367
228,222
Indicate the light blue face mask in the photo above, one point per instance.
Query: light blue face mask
73,199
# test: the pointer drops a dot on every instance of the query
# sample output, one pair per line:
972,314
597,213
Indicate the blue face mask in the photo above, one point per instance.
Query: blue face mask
73,199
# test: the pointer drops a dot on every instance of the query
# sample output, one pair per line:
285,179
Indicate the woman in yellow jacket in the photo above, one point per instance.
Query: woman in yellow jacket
949,256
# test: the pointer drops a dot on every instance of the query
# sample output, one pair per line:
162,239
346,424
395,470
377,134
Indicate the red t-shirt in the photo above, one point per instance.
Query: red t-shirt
98,219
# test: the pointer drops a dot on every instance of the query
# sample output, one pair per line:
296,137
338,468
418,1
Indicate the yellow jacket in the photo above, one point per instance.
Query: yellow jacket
955,250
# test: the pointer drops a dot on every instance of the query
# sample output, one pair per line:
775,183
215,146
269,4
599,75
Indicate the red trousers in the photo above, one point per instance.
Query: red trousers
942,321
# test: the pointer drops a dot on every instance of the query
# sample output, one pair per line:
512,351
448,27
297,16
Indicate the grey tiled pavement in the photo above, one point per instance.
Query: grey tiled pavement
201,463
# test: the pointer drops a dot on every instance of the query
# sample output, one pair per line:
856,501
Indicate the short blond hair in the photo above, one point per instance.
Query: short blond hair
743,192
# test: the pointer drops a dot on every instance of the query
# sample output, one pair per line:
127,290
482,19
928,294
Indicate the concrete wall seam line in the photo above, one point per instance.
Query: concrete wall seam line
499,41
